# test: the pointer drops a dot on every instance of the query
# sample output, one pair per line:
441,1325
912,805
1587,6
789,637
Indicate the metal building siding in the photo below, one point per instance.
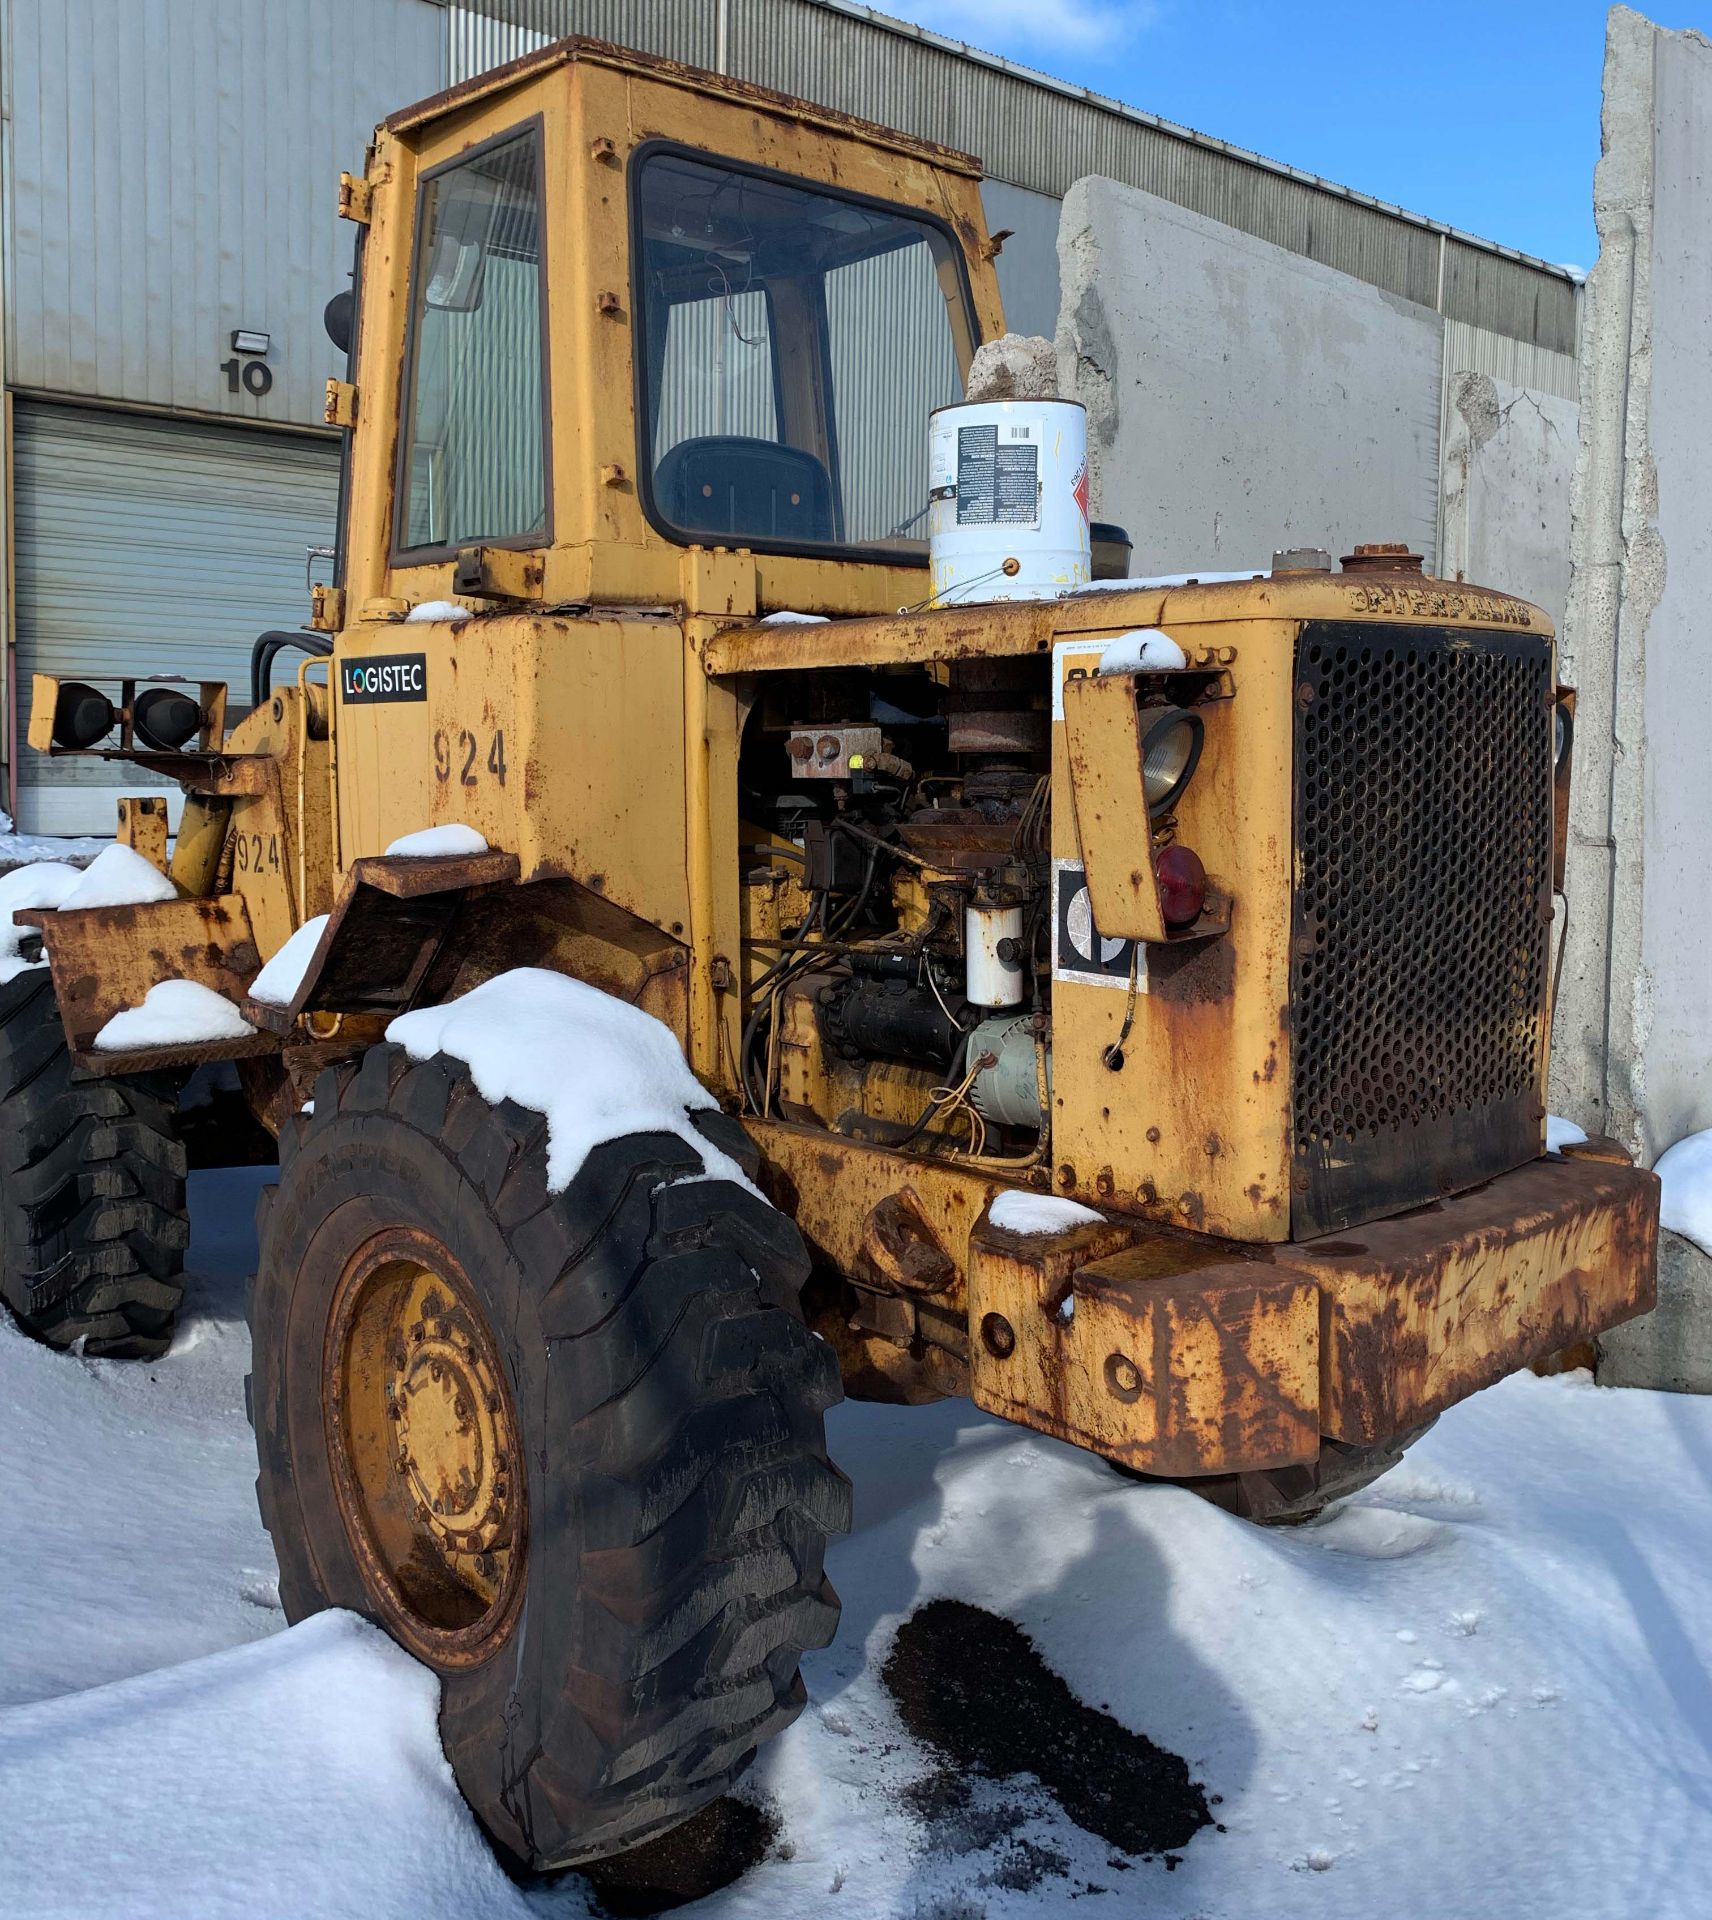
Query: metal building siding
1509,297
487,35
1042,139
1041,136
150,545
1516,362
172,168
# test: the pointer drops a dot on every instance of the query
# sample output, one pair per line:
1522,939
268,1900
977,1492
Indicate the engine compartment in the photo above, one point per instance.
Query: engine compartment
896,885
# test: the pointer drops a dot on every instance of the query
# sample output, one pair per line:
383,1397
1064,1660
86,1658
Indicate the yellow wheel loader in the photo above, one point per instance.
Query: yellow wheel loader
1147,1042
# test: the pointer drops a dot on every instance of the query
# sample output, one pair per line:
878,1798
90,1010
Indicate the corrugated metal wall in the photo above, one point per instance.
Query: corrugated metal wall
151,546
1479,350
486,35
172,169
1039,135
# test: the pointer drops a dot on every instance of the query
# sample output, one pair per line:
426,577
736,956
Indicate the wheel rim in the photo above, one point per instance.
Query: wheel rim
423,1441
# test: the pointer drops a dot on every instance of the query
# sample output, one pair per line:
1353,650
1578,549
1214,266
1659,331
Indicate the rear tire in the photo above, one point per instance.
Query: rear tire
618,1624
93,1223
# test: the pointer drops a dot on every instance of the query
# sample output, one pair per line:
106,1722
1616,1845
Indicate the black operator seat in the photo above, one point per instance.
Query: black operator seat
758,489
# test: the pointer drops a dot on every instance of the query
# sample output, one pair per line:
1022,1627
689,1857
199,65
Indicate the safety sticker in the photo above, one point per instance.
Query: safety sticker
1080,952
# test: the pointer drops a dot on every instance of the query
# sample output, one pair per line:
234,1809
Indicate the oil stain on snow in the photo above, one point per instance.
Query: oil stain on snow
973,1689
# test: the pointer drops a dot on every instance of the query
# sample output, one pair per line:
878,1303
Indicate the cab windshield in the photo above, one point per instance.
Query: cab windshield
794,343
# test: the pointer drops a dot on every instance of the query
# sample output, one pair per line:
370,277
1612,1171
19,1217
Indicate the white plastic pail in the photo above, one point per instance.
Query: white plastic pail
1008,485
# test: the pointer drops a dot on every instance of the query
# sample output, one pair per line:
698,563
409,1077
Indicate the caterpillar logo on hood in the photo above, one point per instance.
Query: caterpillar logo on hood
384,676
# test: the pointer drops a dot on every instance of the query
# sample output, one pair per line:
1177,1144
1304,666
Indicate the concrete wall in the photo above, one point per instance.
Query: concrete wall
1506,463
1634,1021
1241,397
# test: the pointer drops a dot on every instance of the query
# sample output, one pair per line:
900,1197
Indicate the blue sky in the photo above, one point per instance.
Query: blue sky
1483,115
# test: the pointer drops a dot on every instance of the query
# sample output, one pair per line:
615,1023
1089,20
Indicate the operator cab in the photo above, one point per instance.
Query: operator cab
633,325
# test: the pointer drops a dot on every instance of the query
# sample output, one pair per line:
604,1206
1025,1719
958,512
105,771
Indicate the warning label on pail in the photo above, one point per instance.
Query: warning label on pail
998,477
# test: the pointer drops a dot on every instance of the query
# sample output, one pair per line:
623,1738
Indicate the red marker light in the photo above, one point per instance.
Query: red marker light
1182,884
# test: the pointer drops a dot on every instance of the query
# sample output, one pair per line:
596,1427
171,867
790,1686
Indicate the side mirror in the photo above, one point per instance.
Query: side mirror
337,316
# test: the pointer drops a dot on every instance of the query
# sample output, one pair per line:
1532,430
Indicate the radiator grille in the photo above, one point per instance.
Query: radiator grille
1422,914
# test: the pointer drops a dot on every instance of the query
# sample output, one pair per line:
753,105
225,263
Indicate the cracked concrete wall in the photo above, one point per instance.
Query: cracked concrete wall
1633,1031
1508,458
1241,397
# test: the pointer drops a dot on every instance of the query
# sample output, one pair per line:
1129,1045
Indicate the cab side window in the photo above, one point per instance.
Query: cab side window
473,452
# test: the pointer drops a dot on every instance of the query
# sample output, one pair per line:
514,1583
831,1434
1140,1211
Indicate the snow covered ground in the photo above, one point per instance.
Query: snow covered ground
1481,1688
19,849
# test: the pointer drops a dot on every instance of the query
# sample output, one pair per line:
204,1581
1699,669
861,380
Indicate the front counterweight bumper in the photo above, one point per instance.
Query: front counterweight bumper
1185,1359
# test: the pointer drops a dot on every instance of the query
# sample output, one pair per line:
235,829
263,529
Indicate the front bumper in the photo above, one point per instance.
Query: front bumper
1183,1358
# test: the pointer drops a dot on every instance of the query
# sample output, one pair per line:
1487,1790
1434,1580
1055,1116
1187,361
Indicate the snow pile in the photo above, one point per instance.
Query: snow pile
45,884
1685,1173
277,983
429,610
1019,1212
437,843
597,1067
785,618
268,1741
174,1013
145,1546
1146,650
119,877
77,850
1500,1644
1561,1133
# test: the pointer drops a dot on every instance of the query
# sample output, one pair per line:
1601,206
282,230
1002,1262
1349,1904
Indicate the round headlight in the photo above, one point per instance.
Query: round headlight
1170,749
165,719
1563,732
82,716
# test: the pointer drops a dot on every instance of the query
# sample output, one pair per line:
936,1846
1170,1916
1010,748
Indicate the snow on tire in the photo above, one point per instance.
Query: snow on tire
93,1222
567,1447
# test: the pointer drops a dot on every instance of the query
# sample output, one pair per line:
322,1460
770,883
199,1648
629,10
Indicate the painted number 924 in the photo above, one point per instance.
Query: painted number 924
461,754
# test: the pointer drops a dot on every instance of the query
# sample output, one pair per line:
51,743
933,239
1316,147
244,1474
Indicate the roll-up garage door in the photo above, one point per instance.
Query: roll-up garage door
144,547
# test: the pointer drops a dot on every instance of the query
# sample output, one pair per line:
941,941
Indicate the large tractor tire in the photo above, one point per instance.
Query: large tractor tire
93,1223
567,1448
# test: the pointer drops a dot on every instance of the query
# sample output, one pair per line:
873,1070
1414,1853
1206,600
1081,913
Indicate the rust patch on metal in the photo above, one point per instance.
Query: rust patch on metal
105,959
900,1248
1167,1352
1427,1308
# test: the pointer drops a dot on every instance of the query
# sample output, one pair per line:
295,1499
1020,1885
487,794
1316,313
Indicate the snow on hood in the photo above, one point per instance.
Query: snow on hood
1561,1133
786,618
119,877
437,843
174,1013
597,1067
1146,650
277,983
431,610
45,884
1685,1174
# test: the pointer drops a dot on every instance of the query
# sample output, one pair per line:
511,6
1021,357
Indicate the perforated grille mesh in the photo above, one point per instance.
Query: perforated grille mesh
1423,842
